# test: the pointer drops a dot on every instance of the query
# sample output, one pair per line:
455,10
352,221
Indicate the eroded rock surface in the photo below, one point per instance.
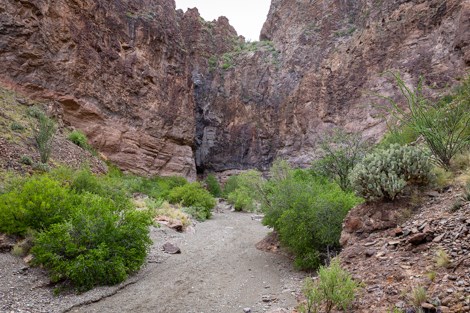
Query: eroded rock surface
117,68
160,91
327,62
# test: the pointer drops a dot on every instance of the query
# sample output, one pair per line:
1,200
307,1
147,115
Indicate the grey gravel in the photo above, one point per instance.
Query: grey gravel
220,270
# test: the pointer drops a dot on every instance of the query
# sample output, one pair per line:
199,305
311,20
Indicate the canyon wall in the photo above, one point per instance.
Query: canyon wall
161,91
329,64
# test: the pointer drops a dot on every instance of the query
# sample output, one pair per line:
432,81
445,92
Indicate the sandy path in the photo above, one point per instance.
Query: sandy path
219,270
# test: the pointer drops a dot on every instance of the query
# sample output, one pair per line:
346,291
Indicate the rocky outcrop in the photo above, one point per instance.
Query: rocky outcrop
396,248
329,62
118,69
160,91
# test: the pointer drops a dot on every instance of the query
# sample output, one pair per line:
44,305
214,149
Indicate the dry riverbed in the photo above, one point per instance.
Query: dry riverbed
219,270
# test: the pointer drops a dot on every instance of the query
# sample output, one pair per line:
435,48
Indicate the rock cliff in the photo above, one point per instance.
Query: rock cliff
160,91
327,63
118,69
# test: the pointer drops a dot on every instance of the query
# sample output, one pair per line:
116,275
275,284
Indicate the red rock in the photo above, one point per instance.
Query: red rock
427,306
417,239
170,223
148,95
397,231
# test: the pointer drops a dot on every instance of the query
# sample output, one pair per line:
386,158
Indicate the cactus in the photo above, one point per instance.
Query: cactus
385,173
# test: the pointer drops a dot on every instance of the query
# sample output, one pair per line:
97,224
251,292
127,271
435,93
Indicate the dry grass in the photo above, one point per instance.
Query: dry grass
441,177
417,297
461,161
172,212
442,259
18,251
431,275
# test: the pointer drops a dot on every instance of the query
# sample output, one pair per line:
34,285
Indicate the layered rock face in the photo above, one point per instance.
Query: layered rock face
160,91
118,69
333,54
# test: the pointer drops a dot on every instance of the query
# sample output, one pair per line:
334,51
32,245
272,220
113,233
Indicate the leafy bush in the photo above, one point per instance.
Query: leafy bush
313,297
17,127
85,181
213,185
155,187
385,173
36,203
402,135
26,160
80,139
341,152
337,286
98,245
312,222
86,232
230,185
192,195
334,288
307,211
43,134
444,125
199,213
248,187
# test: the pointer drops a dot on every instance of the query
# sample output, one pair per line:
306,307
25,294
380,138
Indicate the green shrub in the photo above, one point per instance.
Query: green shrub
41,167
26,160
36,203
311,223
341,152
307,211
199,213
79,138
86,231
213,185
85,181
248,188
17,127
192,195
43,135
385,173
230,185
337,286
313,297
444,125
402,135
334,288
155,187
98,245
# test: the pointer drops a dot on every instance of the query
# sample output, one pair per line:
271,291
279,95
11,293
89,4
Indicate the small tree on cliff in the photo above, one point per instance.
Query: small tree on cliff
43,132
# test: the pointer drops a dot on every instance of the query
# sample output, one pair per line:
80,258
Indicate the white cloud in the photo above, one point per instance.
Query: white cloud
247,16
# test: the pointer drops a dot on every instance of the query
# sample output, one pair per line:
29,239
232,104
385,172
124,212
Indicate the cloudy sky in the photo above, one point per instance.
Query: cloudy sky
247,16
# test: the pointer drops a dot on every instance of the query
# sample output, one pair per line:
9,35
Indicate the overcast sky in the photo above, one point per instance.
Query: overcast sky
247,16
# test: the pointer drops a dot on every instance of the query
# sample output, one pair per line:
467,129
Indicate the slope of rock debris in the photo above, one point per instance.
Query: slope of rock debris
394,257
